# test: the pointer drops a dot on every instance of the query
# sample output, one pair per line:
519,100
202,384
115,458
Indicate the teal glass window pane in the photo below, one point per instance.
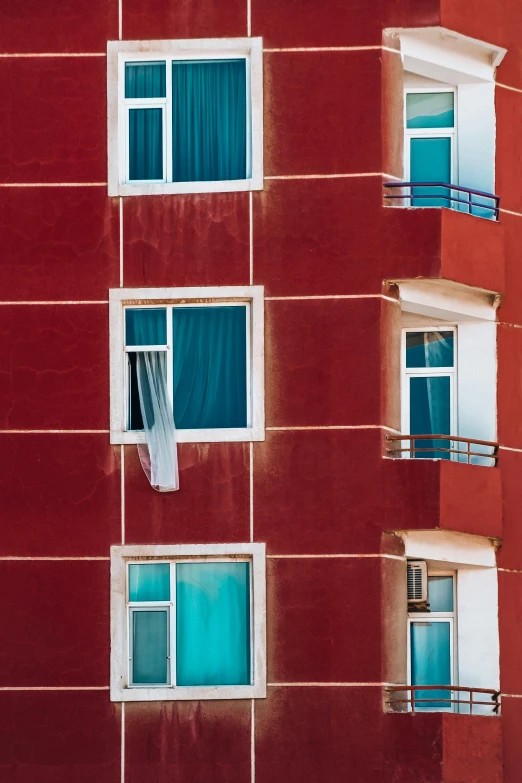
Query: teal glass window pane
149,647
429,349
440,593
145,80
146,326
430,110
210,367
430,161
209,127
145,144
149,582
213,623
430,662
430,412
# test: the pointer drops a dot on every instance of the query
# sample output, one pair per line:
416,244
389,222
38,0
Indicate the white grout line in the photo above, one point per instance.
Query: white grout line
122,469
510,212
54,432
334,427
56,688
120,19
507,87
53,54
330,557
52,559
121,242
376,48
53,184
251,480
510,448
511,696
329,176
328,684
510,570
122,765
48,302
251,237
330,296
253,743
249,18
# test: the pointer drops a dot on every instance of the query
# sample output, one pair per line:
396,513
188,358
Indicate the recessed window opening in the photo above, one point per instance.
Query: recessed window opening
432,644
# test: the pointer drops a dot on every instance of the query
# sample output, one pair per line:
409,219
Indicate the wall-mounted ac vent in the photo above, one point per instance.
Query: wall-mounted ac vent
417,576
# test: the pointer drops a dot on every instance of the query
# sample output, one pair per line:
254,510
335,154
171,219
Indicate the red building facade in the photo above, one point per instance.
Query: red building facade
339,267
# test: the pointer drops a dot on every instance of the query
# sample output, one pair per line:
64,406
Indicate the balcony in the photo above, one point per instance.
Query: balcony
449,447
442,698
444,194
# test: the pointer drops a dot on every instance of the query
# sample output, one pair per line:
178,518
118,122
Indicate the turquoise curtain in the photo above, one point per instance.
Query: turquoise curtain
429,349
149,582
150,646
209,120
440,593
430,412
213,623
430,110
430,161
430,662
210,384
145,80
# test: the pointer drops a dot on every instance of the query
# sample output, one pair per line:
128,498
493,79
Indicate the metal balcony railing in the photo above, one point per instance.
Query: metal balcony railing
465,199
417,702
437,446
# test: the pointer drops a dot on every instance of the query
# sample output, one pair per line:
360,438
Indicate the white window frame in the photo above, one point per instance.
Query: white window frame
432,133
251,296
427,372
438,617
120,52
121,688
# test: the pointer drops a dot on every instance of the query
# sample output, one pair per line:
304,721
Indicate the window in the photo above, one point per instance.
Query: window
431,143
206,348
185,116
432,643
429,388
188,622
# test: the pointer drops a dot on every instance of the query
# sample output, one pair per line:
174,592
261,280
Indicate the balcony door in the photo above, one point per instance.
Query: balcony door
429,389
431,641
430,145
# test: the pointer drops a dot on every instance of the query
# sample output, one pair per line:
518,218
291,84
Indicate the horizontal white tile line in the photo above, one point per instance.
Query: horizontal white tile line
53,54
510,448
511,570
511,695
329,684
56,688
340,556
508,87
50,558
376,47
49,302
53,184
335,427
54,432
328,176
306,297
510,212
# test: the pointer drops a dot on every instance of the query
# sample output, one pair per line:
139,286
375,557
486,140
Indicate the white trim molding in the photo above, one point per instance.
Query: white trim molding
120,52
253,296
120,557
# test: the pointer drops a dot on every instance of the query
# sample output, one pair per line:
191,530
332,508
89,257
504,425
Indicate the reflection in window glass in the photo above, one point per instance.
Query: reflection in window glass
429,349
440,593
430,110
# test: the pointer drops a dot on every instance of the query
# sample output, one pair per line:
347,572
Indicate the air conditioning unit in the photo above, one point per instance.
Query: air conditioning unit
417,579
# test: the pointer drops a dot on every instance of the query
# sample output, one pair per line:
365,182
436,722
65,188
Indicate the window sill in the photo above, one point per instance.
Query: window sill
190,693
178,188
240,435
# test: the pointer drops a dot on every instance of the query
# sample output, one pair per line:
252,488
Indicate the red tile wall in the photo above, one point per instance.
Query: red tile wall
321,244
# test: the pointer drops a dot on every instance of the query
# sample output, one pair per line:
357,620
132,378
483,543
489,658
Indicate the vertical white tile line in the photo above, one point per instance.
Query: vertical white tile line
121,242
249,18
251,479
122,765
120,19
251,235
253,743
122,452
